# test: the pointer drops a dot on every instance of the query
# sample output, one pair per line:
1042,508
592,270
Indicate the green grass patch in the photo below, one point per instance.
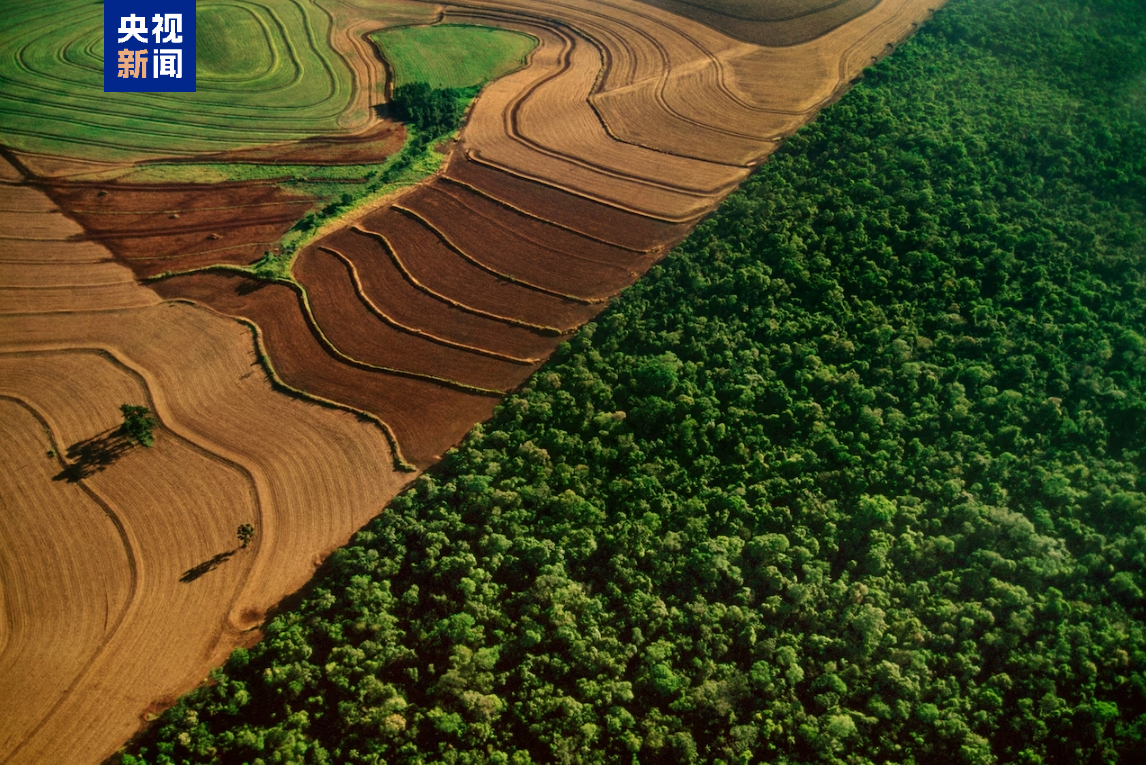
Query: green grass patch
452,55
233,43
267,74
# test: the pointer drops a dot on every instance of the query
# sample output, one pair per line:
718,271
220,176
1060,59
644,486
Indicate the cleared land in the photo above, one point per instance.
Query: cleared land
775,23
426,417
170,227
451,55
120,591
573,175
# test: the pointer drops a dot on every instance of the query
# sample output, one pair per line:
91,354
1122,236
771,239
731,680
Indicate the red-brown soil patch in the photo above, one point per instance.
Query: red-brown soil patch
170,227
354,330
497,244
384,285
608,224
776,23
426,418
546,237
369,147
441,270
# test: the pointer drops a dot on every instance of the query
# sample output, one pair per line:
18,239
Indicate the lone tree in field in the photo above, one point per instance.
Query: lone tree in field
246,533
137,424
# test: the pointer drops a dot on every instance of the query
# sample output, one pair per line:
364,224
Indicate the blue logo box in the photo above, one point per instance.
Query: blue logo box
149,46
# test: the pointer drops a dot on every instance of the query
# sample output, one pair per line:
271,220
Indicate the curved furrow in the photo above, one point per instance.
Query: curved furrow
552,222
426,416
478,263
360,290
413,281
418,252
513,117
511,250
131,597
582,214
544,236
357,333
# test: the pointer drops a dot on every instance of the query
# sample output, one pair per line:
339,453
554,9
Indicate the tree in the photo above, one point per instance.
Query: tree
434,111
246,533
137,424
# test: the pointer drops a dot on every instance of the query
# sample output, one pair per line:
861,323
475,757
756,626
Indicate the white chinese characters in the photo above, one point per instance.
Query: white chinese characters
170,24
133,26
168,62
165,62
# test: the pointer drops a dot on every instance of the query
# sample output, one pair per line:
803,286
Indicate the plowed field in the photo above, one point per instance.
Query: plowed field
288,405
122,583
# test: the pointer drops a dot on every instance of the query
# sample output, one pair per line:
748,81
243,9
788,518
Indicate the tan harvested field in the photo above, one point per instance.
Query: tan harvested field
427,417
98,627
631,120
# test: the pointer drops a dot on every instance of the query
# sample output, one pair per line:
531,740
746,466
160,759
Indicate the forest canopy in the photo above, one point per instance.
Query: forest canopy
856,475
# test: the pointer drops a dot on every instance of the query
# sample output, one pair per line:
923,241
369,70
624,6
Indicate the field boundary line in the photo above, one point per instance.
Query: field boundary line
507,277
474,156
413,280
279,384
534,216
360,292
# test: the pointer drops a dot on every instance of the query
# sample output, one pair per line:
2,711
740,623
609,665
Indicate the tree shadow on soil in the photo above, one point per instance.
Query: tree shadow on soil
193,573
90,456
248,285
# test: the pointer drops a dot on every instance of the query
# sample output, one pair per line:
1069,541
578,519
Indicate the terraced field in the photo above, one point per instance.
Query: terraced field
122,582
396,332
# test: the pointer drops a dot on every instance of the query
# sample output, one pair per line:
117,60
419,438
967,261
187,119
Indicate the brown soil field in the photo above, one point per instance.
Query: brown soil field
503,243
546,236
172,227
98,627
352,328
579,213
442,272
427,417
776,23
400,297
372,145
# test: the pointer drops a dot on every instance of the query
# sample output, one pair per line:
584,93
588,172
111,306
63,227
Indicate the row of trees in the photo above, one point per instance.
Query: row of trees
857,475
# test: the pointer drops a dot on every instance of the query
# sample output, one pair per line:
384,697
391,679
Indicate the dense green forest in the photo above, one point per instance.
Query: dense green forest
856,475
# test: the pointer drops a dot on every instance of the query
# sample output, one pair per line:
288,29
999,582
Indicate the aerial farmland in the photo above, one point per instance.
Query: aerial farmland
308,281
